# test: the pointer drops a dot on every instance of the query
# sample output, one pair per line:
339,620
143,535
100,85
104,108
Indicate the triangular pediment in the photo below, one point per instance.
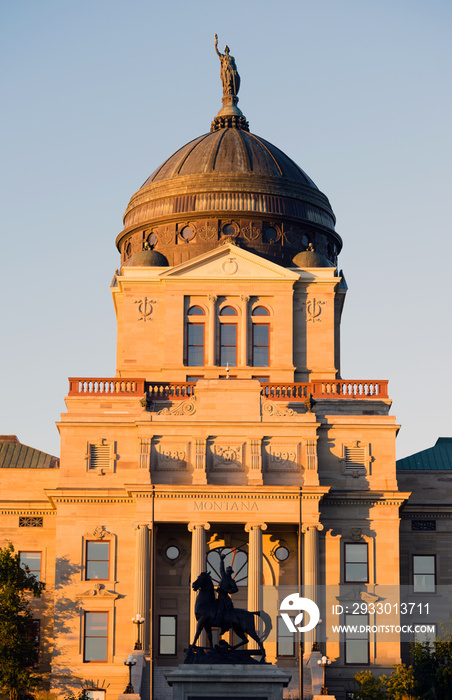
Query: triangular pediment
229,262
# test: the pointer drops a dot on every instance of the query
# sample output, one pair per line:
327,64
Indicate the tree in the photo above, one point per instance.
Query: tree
428,678
18,651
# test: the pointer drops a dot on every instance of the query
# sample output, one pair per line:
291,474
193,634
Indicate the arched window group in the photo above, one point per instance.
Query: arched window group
229,333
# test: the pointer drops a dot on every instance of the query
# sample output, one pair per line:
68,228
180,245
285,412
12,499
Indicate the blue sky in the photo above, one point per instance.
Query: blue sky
97,94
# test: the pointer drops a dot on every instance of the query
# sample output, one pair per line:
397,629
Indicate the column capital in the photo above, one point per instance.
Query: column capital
212,298
141,526
311,526
198,526
244,297
255,526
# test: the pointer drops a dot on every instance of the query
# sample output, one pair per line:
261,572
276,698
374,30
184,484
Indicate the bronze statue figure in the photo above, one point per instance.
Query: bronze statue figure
230,77
220,612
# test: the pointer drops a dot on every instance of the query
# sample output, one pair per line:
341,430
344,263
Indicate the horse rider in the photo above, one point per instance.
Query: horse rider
226,614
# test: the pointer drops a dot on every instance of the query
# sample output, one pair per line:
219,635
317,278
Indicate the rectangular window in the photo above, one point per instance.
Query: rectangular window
32,562
285,640
426,633
263,380
167,635
33,632
260,345
356,640
424,573
228,344
97,561
356,568
195,344
96,636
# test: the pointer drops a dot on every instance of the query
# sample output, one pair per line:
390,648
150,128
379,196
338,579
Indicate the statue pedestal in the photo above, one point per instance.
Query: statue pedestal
218,682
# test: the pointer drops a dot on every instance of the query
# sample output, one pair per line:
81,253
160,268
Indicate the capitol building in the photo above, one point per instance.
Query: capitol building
226,430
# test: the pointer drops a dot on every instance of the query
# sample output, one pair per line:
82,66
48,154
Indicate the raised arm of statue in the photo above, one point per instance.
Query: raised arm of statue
220,55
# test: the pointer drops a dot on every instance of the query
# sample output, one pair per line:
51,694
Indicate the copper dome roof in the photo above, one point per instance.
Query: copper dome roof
230,151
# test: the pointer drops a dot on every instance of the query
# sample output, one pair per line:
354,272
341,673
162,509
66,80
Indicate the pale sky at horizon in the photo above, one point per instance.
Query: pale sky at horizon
97,95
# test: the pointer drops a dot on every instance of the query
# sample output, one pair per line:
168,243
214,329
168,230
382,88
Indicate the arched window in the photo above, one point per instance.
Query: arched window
260,338
236,558
228,311
260,311
195,337
228,337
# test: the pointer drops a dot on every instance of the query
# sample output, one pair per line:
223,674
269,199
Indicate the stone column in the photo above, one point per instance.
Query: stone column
142,577
244,331
198,564
255,570
211,330
310,573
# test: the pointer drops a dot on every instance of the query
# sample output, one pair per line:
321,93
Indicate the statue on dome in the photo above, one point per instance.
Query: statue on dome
230,77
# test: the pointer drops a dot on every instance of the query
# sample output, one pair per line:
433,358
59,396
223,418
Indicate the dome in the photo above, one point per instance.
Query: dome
229,182
148,258
309,258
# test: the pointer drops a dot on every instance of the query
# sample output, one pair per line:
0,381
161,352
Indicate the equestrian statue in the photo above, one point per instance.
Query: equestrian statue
219,611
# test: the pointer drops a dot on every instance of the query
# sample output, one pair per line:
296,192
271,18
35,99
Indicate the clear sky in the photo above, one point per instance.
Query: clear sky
96,94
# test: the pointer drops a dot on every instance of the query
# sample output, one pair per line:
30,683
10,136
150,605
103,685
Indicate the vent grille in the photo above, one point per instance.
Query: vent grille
355,457
423,525
99,456
31,522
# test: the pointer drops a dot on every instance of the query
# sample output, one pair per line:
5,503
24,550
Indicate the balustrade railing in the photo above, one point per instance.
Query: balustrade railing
117,386
276,391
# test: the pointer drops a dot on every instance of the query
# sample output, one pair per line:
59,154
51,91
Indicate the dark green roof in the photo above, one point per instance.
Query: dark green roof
437,458
14,455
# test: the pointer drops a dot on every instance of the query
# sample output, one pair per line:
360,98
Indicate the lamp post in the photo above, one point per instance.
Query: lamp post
138,621
129,662
324,662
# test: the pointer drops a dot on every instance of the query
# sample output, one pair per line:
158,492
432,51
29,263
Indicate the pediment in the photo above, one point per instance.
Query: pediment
229,262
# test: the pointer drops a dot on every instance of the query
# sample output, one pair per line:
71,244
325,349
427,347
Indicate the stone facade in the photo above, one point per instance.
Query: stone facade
226,428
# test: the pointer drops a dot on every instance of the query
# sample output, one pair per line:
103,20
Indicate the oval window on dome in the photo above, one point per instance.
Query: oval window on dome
260,311
128,249
270,234
152,239
228,311
229,230
187,233
195,311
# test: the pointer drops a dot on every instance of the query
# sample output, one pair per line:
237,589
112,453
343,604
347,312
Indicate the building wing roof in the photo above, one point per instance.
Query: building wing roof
14,455
436,458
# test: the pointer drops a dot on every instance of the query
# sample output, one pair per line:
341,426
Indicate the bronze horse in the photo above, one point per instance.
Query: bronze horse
241,622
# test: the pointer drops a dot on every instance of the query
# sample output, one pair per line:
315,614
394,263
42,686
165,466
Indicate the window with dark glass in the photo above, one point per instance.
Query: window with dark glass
260,345
228,311
97,560
195,311
228,344
356,564
285,640
424,573
195,344
356,642
95,637
167,635
31,561
260,311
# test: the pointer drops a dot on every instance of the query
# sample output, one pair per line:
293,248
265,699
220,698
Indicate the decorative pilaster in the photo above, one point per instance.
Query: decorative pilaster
255,570
198,564
310,572
244,331
199,471
255,463
211,335
142,575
